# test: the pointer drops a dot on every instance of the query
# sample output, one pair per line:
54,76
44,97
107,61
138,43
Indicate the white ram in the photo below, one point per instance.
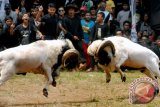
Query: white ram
114,52
42,57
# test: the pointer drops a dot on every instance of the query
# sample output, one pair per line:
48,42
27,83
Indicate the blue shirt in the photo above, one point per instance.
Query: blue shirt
88,25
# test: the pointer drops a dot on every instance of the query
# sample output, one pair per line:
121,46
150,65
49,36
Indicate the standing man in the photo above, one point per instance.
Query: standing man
87,25
49,23
26,31
100,29
74,30
8,39
123,15
2,4
155,16
8,12
107,15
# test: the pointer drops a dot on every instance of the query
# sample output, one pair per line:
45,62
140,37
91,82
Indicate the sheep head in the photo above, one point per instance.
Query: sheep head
70,59
105,52
91,50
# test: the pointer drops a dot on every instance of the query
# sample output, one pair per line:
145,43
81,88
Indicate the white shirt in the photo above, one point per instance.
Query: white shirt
122,16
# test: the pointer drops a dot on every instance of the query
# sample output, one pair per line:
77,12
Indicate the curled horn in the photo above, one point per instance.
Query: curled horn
70,56
105,44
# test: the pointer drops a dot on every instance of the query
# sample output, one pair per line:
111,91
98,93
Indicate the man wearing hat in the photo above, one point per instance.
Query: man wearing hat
8,12
74,29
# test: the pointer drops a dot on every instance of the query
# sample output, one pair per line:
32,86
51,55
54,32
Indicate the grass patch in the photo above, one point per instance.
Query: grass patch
74,89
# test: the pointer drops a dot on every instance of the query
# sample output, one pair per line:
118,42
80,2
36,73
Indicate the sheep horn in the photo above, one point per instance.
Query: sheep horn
105,44
71,53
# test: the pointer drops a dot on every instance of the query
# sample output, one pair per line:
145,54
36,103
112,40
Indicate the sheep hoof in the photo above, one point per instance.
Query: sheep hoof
156,91
45,92
21,74
54,83
156,77
108,80
123,78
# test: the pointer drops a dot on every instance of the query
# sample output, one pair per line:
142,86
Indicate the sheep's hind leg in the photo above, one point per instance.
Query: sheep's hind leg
149,74
123,76
45,89
50,80
6,73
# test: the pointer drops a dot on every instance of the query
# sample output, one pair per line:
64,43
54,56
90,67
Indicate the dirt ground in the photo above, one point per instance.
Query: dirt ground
74,89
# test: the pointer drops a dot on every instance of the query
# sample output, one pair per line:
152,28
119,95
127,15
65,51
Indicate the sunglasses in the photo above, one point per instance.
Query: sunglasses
60,10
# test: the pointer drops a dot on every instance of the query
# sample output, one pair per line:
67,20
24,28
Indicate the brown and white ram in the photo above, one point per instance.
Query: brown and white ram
115,52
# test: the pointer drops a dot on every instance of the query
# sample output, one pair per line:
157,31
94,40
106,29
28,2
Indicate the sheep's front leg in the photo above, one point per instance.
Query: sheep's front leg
107,71
48,72
55,73
108,76
120,62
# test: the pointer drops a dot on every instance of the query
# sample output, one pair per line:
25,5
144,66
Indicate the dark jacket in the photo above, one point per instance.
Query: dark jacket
156,49
99,31
73,27
49,26
155,14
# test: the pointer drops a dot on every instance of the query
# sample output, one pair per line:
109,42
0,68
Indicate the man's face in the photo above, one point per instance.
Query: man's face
145,17
99,18
93,11
34,12
137,3
126,26
61,11
158,42
71,12
87,16
51,10
9,22
25,18
8,10
125,6
102,6
119,33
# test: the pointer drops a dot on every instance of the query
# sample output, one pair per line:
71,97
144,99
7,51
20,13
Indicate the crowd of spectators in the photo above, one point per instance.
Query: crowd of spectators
81,22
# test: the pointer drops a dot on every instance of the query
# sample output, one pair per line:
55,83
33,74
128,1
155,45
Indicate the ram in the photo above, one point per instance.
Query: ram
41,57
112,53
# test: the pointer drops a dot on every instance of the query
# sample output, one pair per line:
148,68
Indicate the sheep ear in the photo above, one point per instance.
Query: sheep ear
105,44
70,56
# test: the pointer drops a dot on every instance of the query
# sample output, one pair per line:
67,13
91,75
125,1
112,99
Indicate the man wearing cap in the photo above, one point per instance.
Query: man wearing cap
74,29
8,12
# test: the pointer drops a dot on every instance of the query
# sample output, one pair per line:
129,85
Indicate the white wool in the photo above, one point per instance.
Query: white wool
38,57
129,54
